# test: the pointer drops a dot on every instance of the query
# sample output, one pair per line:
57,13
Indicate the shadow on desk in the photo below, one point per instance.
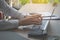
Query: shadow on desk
9,35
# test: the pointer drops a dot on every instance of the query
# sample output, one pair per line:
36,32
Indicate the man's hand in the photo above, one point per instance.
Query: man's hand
33,19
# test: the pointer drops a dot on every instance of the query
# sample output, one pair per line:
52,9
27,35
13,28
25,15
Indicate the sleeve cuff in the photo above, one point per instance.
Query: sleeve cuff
9,24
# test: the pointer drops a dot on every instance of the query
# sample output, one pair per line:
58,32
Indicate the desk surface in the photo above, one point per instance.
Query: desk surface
16,35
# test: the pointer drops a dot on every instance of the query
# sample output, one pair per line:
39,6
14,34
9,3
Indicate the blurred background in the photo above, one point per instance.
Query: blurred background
19,3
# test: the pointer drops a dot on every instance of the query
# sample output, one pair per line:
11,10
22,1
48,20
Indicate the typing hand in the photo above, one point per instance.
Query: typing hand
33,19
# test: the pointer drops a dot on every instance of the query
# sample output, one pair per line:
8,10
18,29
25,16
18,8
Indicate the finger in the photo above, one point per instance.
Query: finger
34,16
37,16
40,18
36,23
33,13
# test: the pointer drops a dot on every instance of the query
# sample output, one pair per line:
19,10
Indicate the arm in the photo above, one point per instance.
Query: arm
7,10
8,24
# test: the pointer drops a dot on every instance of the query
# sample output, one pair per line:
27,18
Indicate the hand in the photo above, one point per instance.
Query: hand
33,19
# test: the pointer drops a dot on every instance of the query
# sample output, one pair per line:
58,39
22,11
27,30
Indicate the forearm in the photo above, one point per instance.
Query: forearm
9,24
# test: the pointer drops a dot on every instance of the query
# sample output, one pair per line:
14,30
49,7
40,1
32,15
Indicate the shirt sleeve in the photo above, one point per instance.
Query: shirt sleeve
8,24
9,11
